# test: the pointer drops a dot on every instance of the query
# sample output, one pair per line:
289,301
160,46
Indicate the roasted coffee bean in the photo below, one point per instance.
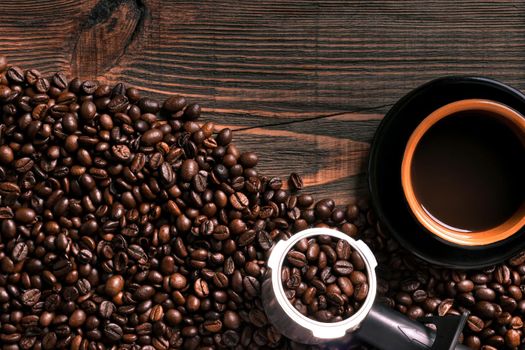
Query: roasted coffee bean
189,169
15,74
152,137
322,287
113,331
174,104
114,285
239,201
77,318
475,324
106,309
230,338
343,267
20,251
213,326
201,288
296,258
295,182
118,103
31,297
6,157
485,309
25,215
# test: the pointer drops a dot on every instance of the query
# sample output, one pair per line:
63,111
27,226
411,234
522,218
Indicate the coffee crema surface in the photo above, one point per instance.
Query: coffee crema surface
468,171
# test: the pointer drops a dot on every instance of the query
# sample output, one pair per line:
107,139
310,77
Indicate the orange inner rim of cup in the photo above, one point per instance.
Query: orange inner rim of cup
474,238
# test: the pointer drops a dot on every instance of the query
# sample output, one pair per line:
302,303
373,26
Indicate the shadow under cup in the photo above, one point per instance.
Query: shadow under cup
463,172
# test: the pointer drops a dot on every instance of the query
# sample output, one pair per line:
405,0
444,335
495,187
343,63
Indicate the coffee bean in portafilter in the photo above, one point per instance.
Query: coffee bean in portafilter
127,223
321,282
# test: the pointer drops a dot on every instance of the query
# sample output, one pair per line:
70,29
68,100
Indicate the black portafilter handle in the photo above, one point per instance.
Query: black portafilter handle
388,329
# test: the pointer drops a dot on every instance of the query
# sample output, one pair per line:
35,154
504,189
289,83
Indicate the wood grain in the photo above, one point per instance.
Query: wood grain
267,67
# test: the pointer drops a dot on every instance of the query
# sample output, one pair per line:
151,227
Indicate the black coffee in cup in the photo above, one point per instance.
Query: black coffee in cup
463,172
468,171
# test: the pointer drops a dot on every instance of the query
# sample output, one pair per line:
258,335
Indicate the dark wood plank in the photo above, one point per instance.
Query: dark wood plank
269,65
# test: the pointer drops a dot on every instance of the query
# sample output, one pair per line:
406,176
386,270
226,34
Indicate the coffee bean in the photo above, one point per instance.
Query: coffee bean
296,258
167,174
502,274
118,103
20,251
178,281
465,286
336,298
201,288
138,254
174,104
88,110
89,87
485,294
121,152
343,267
231,320
485,309
475,324
361,291
512,338
15,75
295,181
144,292
445,307
189,169
31,297
114,285
230,338
313,252
106,309
49,341
251,285
213,326
157,313
77,318
246,238
239,201
346,286
113,331
6,155
200,181
248,159
25,215
324,316
152,137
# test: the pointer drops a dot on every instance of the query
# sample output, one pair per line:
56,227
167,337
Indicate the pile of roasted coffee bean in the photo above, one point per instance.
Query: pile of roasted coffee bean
324,278
125,223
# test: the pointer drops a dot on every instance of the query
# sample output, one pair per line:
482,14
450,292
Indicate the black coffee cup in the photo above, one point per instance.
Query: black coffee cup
463,172
399,204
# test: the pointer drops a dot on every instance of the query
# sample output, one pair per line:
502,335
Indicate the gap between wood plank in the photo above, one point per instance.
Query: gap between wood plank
358,110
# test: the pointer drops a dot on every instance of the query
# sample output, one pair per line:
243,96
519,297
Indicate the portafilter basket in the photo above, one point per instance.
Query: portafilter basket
291,322
373,323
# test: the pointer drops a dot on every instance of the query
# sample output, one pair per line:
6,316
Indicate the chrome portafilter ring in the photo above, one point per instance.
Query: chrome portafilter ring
289,321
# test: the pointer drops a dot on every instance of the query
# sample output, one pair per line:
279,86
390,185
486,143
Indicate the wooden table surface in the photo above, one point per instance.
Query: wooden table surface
305,82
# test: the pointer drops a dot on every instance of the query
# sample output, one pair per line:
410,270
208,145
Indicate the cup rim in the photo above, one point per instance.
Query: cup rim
473,238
